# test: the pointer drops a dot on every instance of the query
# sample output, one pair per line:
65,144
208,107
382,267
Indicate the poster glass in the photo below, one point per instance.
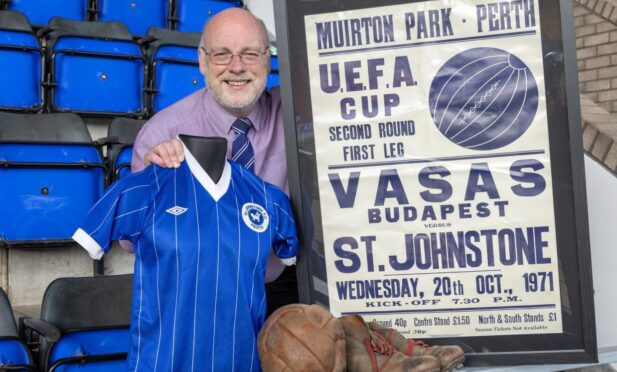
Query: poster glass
433,155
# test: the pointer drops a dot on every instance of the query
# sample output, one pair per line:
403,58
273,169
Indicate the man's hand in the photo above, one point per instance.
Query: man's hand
168,154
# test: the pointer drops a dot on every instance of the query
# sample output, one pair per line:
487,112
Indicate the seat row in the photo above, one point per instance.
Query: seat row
138,15
52,172
96,68
83,326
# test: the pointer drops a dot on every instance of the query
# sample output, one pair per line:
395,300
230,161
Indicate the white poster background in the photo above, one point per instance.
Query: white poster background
436,296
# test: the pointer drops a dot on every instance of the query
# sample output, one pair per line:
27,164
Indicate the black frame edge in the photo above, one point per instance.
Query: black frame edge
291,147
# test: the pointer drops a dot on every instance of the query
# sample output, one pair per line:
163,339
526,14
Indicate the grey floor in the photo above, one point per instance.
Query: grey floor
601,368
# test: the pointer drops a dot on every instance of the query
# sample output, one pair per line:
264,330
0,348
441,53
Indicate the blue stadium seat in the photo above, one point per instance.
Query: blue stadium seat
21,64
191,15
84,324
273,76
95,68
120,138
173,66
40,12
50,176
14,355
137,15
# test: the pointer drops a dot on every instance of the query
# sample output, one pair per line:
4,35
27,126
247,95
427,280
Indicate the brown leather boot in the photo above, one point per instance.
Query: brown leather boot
369,352
450,357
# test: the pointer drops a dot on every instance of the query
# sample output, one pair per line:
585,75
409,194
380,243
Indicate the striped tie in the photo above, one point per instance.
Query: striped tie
241,148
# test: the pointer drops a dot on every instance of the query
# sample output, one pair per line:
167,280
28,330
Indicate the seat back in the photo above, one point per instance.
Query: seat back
97,350
119,154
173,66
7,319
21,64
14,355
137,15
273,76
191,15
93,314
96,68
40,12
50,176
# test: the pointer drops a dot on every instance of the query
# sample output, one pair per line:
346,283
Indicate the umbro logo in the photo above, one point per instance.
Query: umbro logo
176,210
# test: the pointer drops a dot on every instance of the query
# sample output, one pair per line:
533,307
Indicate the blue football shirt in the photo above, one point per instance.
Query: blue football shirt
201,252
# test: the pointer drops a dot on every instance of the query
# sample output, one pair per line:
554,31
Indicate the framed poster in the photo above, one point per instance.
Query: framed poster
436,162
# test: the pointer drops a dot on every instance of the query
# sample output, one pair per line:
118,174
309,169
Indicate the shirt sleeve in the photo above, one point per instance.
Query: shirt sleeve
146,139
285,244
119,214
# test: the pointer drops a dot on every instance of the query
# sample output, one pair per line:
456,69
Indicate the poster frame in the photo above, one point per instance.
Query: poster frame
558,43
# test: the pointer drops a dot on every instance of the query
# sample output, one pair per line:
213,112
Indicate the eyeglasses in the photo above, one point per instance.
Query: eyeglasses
224,57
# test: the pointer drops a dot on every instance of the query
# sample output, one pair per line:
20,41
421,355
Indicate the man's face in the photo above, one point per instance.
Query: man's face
235,86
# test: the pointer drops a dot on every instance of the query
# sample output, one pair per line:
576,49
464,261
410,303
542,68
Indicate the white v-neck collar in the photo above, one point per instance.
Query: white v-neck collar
216,190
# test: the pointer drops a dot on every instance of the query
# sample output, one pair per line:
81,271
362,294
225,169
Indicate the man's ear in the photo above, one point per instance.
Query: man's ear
203,63
268,65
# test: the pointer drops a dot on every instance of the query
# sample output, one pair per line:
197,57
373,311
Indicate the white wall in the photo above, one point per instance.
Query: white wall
602,206
263,9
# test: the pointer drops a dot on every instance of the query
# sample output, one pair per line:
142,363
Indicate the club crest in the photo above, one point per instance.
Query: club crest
255,217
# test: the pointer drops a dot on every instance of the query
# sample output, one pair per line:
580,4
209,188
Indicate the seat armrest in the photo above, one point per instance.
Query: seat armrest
46,330
106,141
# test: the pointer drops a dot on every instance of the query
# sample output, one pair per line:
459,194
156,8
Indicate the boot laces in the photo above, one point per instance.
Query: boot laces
420,343
381,345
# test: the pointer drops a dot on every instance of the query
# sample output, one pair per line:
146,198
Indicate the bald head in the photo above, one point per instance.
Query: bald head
234,20
237,84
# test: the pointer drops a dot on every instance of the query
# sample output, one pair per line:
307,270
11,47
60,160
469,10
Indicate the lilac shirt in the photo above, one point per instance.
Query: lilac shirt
199,115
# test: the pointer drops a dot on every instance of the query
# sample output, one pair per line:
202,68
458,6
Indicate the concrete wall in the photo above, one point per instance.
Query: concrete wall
29,271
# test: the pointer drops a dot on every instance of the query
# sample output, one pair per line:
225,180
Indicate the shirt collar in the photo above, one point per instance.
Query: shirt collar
216,190
227,118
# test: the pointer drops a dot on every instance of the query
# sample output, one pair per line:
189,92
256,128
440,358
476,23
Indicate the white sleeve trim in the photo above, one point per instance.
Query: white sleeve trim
289,261
94,249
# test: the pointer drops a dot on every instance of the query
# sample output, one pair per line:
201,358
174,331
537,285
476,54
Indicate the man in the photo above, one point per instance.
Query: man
234,58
